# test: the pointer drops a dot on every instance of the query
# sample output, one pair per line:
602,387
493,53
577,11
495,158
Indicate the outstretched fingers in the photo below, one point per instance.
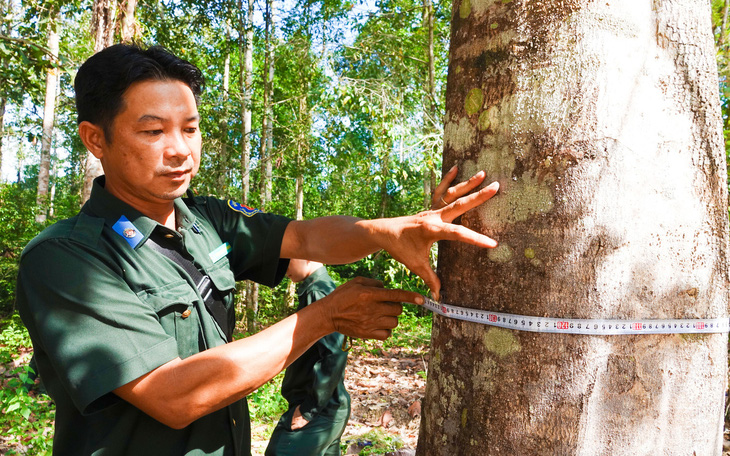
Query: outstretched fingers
469,202
463,234
443,194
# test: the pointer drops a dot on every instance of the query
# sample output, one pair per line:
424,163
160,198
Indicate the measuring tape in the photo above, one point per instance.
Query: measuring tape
579,326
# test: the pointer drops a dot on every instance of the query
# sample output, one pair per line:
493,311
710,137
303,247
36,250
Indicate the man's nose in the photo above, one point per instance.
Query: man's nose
177,146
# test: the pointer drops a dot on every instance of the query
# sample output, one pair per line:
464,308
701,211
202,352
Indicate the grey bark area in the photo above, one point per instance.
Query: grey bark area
601,122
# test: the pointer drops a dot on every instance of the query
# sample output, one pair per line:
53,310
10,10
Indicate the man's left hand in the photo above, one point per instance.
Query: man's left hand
297,420
409,239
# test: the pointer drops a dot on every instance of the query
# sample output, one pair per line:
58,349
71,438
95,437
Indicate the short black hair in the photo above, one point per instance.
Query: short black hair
102,80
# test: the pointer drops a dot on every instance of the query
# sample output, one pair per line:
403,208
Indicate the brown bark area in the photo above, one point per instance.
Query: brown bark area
531,98
106,16
102,28
127,24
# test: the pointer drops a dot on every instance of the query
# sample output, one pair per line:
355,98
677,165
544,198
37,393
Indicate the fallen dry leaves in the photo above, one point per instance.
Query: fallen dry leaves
386,388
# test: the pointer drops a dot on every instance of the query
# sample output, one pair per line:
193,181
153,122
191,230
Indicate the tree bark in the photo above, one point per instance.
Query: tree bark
127,24
222,161
49,110
601,122
3,103
267,138
103,22
431,117
247,89
103,16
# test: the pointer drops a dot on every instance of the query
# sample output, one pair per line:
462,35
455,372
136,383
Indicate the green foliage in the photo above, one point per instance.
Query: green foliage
27,413
266,405
374,442
17,214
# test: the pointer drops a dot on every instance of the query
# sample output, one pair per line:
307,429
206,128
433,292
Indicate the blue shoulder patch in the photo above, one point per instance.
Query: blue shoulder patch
128,231
245,210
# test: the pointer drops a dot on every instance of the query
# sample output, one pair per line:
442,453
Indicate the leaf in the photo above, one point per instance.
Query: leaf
12,407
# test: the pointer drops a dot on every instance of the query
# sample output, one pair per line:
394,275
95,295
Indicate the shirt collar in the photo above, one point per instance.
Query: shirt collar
107,206
311,278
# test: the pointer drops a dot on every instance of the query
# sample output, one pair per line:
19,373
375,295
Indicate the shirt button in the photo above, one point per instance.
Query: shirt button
186,314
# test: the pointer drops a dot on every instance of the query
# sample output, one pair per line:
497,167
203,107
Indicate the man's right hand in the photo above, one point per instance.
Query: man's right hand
363,309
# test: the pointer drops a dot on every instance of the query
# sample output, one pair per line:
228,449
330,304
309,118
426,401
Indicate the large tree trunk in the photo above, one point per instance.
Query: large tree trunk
601,122
49,111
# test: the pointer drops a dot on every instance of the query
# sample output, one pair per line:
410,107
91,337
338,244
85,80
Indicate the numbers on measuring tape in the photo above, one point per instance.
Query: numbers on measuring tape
579,326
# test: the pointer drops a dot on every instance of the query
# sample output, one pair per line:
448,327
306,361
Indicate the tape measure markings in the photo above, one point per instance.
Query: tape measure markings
597,327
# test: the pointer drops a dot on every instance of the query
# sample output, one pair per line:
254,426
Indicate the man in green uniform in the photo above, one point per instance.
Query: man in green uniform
129,303
314,384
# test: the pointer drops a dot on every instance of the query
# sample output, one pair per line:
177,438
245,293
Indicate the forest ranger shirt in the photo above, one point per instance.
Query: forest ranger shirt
103,309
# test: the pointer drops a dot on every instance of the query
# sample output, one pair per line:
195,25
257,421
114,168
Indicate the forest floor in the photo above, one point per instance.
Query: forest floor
386,387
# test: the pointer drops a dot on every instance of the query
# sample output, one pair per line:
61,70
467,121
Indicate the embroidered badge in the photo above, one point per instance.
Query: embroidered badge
128,231
245,210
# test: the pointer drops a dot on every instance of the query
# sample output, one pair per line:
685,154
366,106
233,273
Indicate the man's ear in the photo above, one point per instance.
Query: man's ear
93,138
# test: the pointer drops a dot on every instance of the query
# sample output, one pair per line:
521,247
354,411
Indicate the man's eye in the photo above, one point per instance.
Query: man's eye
153,132
191,130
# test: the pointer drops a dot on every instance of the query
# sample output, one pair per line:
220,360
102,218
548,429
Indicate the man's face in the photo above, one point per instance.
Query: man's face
155,144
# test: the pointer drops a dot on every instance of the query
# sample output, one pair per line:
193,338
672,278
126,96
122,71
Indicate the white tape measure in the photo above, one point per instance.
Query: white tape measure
580,326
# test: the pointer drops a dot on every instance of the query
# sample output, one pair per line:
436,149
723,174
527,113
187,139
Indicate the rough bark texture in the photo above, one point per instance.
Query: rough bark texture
127,24
601,122
103,22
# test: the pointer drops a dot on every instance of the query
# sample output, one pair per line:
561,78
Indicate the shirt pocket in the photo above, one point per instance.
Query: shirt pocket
174,305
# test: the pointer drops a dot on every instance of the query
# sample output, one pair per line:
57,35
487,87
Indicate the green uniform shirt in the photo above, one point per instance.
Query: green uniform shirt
103,309
315,381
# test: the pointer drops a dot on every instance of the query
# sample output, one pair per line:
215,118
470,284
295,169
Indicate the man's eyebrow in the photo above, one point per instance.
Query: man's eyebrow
154,118
150,118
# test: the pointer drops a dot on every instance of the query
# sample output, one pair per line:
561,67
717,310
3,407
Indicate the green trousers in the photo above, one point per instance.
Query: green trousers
320,437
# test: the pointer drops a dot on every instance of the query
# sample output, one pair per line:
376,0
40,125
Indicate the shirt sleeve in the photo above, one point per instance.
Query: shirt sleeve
255,239
97,334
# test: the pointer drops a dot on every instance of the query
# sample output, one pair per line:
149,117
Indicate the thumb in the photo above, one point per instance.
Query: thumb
430,279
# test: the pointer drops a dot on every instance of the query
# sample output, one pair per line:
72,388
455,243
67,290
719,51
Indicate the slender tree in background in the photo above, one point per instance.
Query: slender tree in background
103,15
246,45
430,114
222,165
601,122
245,34
106,14
6,8
266,150
267,141
49,111
127,23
